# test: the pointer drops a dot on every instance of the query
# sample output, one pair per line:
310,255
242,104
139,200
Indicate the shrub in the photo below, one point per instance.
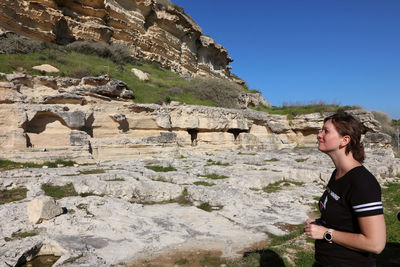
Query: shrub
116,52
386,125
222,93
12,43
12,195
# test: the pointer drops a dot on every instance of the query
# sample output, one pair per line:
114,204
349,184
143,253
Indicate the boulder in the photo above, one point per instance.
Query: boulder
46,68
141,75
43,208
114,88
252,100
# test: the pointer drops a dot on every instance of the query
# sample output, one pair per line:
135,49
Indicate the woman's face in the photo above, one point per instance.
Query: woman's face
329,139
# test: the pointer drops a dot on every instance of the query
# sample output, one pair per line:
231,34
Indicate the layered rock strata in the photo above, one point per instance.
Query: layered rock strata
92,118
152,31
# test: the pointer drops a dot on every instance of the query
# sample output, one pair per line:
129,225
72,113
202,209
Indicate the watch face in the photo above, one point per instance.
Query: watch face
328,236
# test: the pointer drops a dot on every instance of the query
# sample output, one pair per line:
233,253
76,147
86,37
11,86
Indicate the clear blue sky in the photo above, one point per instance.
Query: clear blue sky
337,51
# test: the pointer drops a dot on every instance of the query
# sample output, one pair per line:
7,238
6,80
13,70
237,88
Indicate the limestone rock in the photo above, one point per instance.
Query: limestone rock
114,88
20,79
141,75
46,68
46,81
252,100
9,93
367,120
66,98
152,32
42,208
78,138
377,141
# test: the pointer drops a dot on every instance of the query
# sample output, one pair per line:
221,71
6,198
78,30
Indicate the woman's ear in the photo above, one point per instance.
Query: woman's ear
345,141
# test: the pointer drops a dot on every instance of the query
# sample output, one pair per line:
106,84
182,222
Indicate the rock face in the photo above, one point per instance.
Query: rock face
94,118
153,32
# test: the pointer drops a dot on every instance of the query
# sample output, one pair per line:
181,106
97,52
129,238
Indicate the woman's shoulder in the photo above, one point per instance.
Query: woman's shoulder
361,175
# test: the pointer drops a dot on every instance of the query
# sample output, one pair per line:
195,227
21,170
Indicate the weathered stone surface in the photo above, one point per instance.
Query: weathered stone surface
9,93
252,100
367,120
377,140
113,88
78,138
129,204
66,98
42,208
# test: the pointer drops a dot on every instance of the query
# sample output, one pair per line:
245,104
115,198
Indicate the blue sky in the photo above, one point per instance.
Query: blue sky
336,51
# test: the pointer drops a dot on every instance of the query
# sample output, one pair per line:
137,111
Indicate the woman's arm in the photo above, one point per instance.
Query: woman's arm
371,239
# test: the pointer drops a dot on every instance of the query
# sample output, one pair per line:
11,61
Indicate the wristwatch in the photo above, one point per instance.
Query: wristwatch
328,236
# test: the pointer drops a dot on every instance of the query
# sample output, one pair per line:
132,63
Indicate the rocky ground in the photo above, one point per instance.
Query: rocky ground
125,211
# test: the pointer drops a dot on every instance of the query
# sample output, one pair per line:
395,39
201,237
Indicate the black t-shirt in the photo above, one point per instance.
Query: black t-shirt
356,194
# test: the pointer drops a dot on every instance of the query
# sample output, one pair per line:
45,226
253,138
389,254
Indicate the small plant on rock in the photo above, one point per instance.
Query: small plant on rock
160,168
12,195
203,183
58,192
218,163
214,176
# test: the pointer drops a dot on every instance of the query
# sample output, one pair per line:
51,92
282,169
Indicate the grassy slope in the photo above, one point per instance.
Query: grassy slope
94,59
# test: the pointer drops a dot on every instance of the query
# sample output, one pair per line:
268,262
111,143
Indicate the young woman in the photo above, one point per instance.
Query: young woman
352,227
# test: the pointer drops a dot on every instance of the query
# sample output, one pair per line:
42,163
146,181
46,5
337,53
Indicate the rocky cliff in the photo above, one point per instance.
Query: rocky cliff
94,118
153,32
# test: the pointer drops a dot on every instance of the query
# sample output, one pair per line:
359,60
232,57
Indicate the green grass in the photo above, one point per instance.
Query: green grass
116,180
203,183
164,85
218,163
10,165
183,200
160,168
214,176
58,192
16,194
298,109
271,160
274,187
19,235
209,260
398,175
391,204
246,154
181,261
94,171
207,207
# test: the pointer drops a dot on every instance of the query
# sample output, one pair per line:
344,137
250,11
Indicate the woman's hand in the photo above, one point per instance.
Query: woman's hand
314,231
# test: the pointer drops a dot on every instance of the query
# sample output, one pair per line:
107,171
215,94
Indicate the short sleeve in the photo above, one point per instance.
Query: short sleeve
365,197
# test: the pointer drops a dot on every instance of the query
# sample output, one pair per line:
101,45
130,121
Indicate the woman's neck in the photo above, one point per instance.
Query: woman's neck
344,163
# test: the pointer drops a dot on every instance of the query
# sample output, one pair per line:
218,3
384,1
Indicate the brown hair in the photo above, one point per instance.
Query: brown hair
346,124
